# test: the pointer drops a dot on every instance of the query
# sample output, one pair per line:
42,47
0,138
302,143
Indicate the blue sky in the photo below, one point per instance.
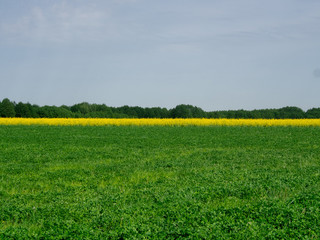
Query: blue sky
217,55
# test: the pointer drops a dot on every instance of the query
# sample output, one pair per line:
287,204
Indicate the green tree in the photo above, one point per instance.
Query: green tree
313,113
130,111
54,112
82,108
187,111
23,110
291,112
160,112
7,108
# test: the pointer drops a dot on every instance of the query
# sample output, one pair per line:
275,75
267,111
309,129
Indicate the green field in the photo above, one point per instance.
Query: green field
159,182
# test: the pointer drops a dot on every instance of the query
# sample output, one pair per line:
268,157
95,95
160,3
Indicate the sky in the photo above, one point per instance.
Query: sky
214,54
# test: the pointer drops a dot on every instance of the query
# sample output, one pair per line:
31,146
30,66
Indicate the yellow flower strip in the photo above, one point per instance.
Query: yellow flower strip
159,122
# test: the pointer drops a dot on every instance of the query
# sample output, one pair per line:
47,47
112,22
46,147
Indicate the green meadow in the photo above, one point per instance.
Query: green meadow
134,182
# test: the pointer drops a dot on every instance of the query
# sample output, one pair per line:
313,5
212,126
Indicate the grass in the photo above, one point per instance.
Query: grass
152,182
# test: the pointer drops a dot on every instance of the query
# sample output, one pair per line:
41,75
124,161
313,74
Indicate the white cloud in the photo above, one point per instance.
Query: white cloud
59,23
127,20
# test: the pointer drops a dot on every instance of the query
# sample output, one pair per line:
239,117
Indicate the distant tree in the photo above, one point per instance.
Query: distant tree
231,114
212,114
290,112
181,111
268,113
149,113
129,111
120,115
7,108
262,113
54,112
66,107
100,114
240,114
313,113
82,108
34,111
24,110
140,112
197,112
101,111
186,111
104,108
160,112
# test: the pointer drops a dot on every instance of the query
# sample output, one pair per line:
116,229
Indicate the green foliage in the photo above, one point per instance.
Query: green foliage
7,108
290,112
87,110
25,110
313,113
54,112
159,182
187,111
82,108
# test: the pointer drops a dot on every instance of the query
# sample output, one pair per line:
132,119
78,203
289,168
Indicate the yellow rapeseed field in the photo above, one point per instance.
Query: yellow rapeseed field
159,122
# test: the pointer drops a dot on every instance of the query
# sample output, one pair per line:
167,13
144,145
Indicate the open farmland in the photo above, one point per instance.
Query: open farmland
162,182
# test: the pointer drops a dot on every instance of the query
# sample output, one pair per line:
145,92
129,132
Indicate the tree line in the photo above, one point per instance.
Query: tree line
86,110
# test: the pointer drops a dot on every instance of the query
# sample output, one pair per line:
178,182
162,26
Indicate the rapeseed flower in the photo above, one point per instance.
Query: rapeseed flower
158,122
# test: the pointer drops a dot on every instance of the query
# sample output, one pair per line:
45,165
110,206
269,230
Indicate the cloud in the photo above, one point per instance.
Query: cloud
164,21
59,23
244,20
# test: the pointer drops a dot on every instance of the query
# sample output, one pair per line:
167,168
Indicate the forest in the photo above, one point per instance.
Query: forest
10,108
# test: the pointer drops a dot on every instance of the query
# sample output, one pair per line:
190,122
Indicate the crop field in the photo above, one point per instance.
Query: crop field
159,182
158,122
